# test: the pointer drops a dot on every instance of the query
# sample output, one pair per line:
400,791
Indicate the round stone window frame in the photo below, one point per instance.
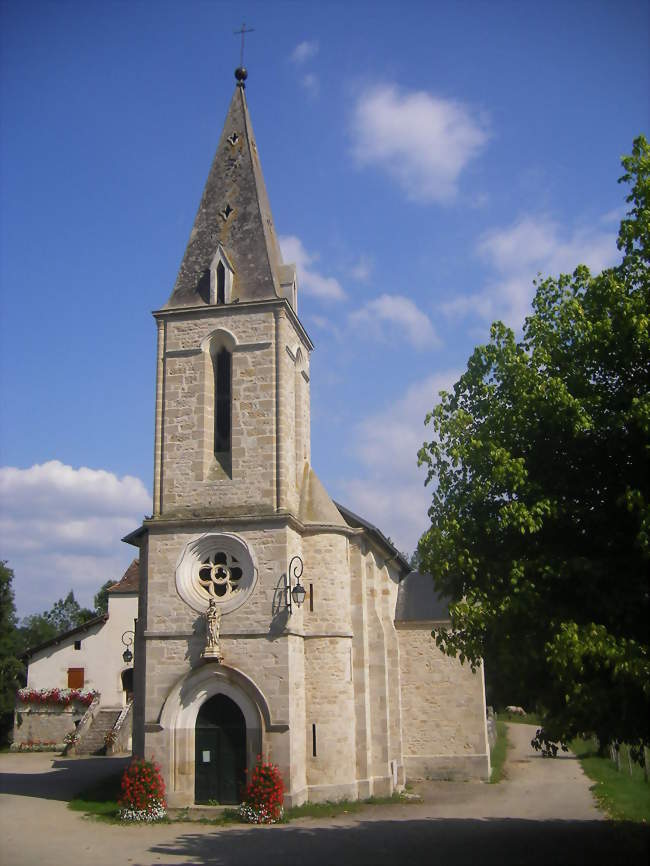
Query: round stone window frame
192,558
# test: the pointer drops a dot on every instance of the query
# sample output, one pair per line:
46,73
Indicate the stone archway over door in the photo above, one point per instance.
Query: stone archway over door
179,717
220,752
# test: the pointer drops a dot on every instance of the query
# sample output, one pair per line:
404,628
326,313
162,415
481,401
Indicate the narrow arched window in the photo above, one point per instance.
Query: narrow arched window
221,284
222,365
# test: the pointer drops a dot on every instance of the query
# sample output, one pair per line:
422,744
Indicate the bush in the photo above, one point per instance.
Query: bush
143,792
263,795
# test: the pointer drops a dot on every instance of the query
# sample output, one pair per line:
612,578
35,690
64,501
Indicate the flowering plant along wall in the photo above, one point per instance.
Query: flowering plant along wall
143,792
263,795
57,697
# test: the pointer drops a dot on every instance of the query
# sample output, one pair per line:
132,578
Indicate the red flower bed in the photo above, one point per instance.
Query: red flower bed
56,697
263,795
143,792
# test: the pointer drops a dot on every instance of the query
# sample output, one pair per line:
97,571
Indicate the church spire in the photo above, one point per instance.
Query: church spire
234,223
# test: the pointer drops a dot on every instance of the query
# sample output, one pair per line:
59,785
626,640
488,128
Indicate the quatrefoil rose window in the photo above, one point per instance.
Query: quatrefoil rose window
220,575
217,566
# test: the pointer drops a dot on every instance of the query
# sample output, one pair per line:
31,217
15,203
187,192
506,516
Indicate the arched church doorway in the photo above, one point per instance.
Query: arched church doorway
220,755
127,684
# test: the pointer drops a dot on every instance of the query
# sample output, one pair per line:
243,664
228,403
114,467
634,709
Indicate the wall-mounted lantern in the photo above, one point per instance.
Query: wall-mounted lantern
127,639
295,591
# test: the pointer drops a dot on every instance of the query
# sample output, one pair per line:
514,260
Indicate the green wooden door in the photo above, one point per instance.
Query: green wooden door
220,757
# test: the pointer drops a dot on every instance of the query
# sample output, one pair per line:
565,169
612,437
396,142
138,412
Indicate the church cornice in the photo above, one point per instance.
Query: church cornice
206,312
236,522
238,635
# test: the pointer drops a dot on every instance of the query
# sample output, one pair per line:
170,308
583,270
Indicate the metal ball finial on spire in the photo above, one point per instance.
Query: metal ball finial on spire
241,73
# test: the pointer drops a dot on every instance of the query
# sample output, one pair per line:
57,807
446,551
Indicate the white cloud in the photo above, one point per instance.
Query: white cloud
60,529
390,315
311,83
362,269
421,140
304,51
310,281
517,253
391,493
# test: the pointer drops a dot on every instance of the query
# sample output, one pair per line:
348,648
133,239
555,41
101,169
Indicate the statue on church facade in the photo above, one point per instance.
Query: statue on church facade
212,649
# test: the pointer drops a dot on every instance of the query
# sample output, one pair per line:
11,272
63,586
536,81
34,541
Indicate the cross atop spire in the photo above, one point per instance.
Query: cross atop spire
241,73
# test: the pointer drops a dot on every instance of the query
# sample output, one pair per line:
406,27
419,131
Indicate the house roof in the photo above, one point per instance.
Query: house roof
130,580
417,600
354,520
59,638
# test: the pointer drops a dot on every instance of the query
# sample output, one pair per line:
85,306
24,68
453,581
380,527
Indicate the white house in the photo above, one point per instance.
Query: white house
88,658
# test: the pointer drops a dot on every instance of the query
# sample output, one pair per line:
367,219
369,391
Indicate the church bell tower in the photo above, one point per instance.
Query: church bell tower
232,408
235,657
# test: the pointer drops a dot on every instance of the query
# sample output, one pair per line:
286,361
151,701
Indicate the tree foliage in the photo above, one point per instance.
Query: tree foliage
101,598
65,614
540,517
11,668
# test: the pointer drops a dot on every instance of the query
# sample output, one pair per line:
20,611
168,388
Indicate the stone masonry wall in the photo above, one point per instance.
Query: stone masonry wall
330,707
361,669
175,634
263,382
328,669
443,711
44,723
389,584
185,483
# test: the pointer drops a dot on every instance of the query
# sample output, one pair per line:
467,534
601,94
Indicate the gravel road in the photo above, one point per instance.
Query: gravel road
542,813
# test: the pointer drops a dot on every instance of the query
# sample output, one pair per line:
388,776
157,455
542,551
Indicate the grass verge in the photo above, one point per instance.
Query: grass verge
623,796
100,801
498,753
331,809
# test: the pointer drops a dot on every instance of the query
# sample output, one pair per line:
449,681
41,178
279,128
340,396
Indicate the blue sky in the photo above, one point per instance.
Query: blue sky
423,161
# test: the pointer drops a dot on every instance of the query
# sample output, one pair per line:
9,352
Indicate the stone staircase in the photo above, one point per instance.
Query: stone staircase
92,742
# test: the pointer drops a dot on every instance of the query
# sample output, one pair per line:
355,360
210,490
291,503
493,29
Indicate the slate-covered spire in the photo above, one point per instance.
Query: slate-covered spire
234,218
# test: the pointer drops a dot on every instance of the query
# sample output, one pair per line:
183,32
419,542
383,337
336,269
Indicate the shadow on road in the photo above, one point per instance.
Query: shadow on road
72,776
416,843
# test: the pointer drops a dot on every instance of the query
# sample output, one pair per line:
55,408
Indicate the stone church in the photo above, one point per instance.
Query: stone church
271,620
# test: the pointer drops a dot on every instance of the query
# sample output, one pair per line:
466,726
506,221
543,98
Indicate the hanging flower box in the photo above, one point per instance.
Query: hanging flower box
56,697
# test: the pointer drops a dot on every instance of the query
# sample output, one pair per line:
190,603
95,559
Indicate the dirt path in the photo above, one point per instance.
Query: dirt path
543,813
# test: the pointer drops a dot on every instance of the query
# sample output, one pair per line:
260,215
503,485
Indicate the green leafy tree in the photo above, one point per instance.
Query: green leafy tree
540,516
34,630
67,613
11,668
101,599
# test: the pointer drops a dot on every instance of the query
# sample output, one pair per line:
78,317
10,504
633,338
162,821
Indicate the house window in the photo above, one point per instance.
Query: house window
222,366
75,678
313,740
77,644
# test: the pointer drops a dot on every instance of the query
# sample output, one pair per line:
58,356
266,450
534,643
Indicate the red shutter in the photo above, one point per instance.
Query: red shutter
75,678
